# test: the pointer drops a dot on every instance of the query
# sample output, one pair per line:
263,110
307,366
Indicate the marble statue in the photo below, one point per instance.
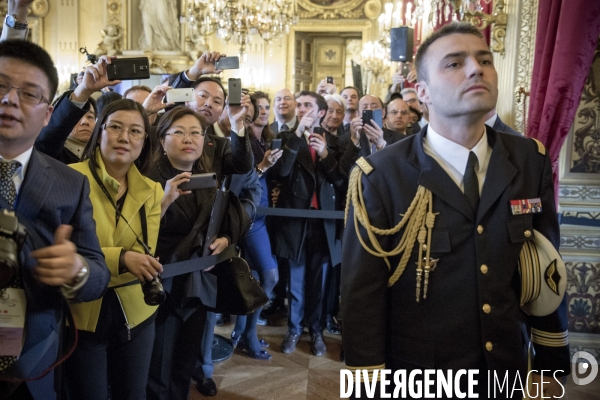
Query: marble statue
161,26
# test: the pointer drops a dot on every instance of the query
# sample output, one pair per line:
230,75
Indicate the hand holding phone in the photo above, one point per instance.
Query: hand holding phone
228,63
235,91
317,142
200,181
275,144
180,95
128,69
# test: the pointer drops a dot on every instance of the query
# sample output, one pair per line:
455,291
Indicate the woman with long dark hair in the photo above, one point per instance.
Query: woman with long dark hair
181,318
112,357
255,244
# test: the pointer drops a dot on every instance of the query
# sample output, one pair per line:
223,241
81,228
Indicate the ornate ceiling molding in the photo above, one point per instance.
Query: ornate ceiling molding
330,9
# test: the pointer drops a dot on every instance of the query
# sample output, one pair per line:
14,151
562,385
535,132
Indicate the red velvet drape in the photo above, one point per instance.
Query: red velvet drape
567,32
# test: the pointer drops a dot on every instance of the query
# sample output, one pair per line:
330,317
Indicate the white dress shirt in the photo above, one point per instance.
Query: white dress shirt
453,157
19,174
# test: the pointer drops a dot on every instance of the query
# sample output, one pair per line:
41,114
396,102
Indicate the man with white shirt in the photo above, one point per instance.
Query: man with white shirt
61,258
284,106
446,296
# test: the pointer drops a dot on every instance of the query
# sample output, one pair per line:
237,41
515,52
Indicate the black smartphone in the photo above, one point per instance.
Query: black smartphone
275,144
200,181
375,115
367,116
128,68
318,130
235,91
330,79
228,63
405,69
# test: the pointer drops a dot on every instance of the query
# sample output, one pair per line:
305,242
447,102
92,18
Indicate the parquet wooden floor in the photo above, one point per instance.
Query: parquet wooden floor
301,375
296,376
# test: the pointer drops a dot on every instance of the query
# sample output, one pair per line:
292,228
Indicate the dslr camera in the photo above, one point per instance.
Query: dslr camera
12,237
153,290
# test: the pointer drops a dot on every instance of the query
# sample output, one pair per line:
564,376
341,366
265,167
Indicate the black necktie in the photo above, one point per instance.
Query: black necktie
7,186
283,128
471,182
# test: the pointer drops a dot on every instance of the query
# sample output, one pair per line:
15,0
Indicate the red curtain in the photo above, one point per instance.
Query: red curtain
567,32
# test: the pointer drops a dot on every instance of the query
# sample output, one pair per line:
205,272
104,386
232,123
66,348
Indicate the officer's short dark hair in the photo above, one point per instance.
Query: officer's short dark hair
32,54
446,30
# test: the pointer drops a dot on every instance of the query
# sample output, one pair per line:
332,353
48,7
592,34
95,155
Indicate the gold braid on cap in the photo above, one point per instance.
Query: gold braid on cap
419,220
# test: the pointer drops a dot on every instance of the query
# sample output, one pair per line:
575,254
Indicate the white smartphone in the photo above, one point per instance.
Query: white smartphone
180,95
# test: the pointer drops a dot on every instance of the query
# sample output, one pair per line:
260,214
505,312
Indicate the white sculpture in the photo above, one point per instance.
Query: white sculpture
161,25
111,41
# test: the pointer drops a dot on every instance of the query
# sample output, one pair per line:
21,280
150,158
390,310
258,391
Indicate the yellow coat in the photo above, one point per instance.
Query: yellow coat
141,192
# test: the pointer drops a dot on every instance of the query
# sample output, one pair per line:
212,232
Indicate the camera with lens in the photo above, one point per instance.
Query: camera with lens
154,293
12,237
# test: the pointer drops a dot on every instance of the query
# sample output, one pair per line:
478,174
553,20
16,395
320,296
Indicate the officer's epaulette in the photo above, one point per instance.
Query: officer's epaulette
364,165
541,147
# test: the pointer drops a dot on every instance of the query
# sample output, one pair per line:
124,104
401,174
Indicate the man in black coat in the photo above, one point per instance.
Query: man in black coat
454,302
310,180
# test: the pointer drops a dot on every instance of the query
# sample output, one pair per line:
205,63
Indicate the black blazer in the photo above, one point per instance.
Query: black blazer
300,178
449,330
65,116
53,194
229,156
500,126
174,243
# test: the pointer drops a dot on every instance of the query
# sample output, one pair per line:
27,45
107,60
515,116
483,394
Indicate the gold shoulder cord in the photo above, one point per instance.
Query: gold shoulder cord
419,220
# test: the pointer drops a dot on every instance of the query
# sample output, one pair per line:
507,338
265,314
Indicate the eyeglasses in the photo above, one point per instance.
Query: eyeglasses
396,112
181,135
410,101
133,133
26,95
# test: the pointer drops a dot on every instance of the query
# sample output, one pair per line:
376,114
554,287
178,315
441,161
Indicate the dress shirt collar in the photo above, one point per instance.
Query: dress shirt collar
455,154
490,122
24,159
218,130
291,123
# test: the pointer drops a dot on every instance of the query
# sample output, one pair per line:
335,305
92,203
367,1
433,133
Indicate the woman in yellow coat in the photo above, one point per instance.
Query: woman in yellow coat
116,332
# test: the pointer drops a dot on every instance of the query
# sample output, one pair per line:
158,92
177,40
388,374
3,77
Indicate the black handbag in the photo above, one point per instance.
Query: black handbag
238,293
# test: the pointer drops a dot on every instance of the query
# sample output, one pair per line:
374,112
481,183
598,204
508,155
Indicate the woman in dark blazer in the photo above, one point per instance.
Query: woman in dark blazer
181,318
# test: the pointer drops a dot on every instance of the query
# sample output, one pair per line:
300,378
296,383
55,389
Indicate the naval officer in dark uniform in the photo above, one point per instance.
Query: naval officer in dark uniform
459,307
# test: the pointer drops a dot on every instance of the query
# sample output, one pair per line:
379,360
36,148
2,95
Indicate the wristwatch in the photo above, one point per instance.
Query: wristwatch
11,22
259,171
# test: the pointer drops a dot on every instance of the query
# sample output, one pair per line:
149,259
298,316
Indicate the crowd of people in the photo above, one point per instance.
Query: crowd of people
117,214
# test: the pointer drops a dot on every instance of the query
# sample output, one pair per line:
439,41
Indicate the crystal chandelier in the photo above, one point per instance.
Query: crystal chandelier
432,13
397,14
240,19
375,58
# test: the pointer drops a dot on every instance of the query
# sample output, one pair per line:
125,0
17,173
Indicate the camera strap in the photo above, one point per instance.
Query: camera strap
142,212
